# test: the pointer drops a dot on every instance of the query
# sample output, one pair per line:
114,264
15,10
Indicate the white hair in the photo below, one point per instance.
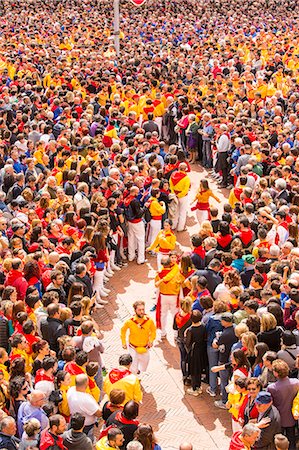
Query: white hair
280,184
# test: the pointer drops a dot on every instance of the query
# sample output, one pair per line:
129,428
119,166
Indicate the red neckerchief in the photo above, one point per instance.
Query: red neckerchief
284,224
176,177
42,376
164,272
246,236
181,320
140,324
120,418
118,374
224,241
200,251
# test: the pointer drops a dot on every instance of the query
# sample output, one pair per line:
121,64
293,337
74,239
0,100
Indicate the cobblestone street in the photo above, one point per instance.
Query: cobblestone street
175,416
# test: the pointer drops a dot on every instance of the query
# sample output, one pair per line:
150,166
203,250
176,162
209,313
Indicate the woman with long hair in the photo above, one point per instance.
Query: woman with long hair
259,350
18,389
145,435
182,321
98,242
75,289
202,197
32,275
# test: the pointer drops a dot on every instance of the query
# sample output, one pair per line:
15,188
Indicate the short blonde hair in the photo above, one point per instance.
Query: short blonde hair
281,368
186,304
268,322
240,329
31,427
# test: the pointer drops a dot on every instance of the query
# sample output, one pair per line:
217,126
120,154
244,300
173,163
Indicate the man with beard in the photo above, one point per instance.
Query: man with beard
142,333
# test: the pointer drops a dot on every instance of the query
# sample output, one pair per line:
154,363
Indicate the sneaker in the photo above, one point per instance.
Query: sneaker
190,391
210,392
230,186
220,404
142,262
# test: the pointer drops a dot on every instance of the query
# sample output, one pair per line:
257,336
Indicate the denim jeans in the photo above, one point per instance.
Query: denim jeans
213,356
224,377
207,154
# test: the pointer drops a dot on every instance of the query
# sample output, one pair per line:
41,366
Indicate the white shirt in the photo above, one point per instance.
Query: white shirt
82,403
223,144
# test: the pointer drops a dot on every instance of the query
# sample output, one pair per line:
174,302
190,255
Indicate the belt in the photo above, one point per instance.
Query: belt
135,220
164,250
156,217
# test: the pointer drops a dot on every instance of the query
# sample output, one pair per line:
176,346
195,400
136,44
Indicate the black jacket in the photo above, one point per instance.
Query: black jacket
266,439
8,442
76,440
85,281
4,333
212,278
51,330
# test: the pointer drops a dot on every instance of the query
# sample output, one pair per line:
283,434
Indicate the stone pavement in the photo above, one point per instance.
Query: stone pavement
175,417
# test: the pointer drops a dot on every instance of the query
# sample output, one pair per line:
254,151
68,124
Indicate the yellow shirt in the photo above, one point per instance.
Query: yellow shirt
165,241
5,373
141,331
155,208
25,356
93,389
171,280
203,196
129,383
181,188
63,406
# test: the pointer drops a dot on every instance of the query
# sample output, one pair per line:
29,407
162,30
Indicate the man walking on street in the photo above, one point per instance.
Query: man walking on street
136,229
142,333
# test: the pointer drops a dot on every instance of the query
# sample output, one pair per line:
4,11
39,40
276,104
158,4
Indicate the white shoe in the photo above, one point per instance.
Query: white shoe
114,267
105,280
102,302
98,306
109,274
106,290
103,293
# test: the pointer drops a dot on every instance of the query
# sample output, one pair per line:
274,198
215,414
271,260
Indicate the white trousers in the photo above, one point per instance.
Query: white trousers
136,241
158,121
168,303
153,229
98,282
202,215
180,218
140,360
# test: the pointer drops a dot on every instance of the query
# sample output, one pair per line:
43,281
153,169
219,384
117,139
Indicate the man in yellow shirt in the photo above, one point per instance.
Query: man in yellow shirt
142,333
164,242
122,378
167,281
156,209
179,185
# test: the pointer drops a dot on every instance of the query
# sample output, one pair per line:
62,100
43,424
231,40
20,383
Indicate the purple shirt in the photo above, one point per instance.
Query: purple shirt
283,393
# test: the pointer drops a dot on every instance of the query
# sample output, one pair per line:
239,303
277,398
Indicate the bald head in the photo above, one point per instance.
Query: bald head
186,446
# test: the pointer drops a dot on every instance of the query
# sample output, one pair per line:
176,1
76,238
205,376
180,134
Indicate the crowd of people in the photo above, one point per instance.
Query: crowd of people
95,158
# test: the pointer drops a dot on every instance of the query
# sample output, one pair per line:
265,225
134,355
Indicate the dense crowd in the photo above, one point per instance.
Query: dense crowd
95,160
